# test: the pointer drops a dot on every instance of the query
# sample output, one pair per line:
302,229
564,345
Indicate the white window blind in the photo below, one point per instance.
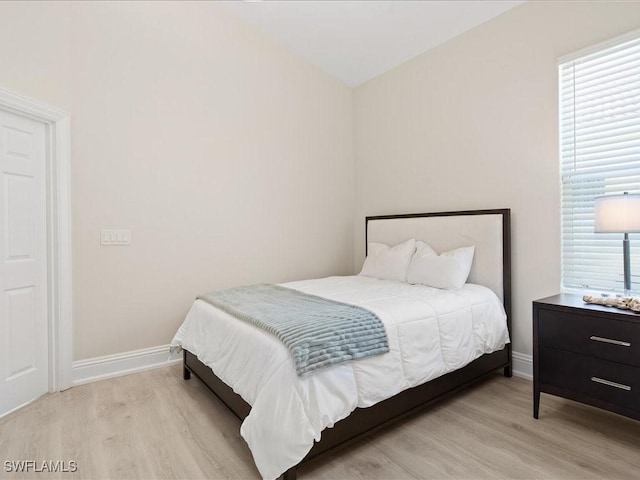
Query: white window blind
599,155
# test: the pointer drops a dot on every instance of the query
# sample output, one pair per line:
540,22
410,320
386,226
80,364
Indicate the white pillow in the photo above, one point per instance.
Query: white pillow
448,270
388,263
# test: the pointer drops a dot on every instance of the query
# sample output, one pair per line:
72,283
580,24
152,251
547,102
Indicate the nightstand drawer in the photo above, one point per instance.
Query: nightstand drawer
614,340
607,381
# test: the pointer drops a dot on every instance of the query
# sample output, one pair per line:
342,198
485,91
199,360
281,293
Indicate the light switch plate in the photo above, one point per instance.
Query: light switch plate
115,237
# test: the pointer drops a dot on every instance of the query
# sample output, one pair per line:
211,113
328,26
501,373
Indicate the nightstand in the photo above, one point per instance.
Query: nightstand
587,353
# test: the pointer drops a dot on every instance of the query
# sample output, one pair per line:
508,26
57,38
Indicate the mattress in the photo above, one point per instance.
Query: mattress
431,332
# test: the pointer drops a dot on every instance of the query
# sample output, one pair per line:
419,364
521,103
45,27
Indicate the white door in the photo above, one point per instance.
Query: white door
24,370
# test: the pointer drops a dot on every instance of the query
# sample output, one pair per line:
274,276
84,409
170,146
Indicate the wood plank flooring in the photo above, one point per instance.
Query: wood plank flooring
154,425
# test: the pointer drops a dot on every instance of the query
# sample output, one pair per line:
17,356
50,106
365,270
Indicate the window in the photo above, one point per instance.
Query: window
599,155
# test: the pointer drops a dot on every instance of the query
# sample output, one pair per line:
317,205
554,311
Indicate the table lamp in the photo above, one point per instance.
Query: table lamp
619,214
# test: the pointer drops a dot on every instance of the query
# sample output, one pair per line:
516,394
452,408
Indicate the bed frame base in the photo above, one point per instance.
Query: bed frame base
364,421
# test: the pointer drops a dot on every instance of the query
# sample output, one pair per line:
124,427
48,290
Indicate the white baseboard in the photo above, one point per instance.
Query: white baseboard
109,366
522,365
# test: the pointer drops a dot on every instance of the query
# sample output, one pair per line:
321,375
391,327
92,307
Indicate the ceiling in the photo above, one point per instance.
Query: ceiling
358,40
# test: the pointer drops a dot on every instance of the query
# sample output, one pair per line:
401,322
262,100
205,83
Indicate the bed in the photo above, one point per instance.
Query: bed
356,399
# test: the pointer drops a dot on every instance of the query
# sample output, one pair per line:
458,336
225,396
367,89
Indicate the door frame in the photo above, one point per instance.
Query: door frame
59,254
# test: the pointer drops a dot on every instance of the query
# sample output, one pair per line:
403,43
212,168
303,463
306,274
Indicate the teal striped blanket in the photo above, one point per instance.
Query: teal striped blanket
317,331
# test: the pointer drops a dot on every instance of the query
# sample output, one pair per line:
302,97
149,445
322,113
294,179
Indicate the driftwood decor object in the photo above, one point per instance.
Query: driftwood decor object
623,303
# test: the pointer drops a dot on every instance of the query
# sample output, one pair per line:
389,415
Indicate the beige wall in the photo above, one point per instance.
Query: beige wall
229,158
34,50
473,124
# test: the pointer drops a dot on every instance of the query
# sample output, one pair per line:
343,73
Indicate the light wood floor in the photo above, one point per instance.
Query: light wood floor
156,425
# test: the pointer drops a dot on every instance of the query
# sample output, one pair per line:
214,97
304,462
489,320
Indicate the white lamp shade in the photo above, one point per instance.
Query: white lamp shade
618,214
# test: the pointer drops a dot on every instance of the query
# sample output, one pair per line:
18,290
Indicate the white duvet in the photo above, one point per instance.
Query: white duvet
431,332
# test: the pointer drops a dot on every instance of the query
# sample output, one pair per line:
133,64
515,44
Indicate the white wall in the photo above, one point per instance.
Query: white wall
229,158
473,124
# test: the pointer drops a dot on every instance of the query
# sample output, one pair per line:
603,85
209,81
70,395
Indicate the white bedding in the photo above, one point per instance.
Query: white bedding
431,332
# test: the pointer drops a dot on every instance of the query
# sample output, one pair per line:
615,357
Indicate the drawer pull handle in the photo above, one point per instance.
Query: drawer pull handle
609,340
611,384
